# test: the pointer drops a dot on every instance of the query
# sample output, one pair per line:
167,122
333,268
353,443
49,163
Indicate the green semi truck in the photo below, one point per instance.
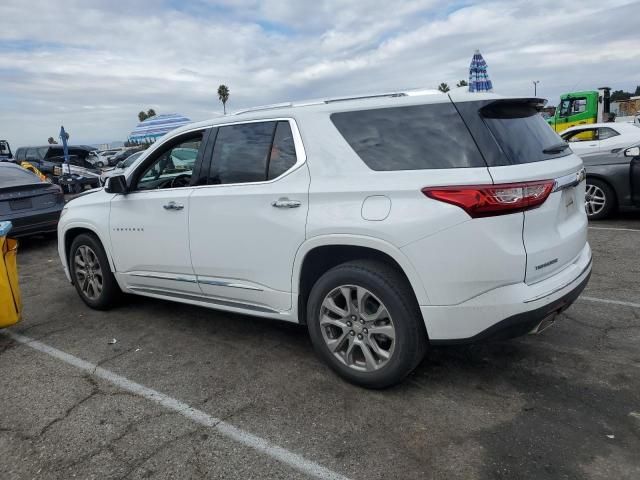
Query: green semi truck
577,108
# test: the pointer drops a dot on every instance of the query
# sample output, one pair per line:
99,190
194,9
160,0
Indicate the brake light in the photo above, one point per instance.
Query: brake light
490,200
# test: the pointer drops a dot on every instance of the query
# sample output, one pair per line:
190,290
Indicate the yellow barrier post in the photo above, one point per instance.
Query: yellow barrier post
10,301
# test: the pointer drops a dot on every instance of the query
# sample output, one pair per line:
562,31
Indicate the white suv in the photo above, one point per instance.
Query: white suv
384,223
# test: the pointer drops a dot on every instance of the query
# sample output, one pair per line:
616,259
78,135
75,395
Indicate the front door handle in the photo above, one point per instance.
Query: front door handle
286,203
173,206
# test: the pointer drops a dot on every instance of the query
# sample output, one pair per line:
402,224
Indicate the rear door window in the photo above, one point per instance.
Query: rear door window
605,132
241,153
283,151
409,138
521,133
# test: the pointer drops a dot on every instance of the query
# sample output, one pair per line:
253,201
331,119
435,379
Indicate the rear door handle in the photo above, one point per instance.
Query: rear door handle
286,203
173,206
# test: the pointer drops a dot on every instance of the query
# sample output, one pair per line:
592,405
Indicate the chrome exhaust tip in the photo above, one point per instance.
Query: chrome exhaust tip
544,324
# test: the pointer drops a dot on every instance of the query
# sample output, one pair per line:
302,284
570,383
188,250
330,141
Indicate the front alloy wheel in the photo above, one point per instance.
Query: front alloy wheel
91,273
357,328
88,272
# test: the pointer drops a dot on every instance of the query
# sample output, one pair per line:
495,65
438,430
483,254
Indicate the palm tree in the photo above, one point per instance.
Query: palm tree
142,116
443,87
151,113
462,83
223,96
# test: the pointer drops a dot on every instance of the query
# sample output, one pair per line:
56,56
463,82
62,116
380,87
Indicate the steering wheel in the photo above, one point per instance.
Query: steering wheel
182,180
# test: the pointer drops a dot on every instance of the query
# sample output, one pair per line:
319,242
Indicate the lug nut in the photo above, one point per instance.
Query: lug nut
359,336
348,324
365,331
362,321
353,317
352,333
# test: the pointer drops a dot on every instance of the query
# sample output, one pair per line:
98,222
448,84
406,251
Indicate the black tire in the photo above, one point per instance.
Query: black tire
393,290
610,202
110,293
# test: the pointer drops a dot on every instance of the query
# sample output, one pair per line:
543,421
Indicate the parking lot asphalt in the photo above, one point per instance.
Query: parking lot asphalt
564,404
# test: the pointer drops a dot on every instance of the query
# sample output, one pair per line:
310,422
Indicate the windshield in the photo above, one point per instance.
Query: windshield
522,134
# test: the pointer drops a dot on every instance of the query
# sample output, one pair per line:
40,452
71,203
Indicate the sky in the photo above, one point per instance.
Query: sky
92,65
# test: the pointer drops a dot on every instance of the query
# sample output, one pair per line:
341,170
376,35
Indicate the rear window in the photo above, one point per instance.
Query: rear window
521,133
409,138
11,176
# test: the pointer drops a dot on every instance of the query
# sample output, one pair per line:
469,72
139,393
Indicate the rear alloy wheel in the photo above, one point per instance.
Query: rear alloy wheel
91,273
599,199
364,321
357,328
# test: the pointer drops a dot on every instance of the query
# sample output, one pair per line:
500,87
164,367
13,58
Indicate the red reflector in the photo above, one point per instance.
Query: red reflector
489,200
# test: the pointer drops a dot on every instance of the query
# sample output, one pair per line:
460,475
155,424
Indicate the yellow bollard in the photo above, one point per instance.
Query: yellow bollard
10,301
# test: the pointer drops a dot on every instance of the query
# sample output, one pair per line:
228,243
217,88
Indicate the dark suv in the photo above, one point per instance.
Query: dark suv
48,157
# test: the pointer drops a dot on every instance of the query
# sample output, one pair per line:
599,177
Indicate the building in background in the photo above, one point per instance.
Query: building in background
155,127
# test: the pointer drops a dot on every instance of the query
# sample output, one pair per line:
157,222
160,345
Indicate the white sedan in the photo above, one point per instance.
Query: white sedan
596,138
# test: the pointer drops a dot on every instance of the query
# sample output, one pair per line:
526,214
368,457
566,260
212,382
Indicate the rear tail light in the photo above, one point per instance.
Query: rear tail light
490,200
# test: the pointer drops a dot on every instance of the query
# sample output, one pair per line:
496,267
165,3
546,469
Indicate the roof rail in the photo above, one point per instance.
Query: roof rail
265,107
304,103
364,97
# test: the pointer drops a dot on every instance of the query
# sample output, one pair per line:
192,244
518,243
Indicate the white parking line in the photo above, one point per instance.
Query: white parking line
615,229
280,454
613,302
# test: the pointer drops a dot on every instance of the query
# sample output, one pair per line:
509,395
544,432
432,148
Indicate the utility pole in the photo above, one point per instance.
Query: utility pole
535,87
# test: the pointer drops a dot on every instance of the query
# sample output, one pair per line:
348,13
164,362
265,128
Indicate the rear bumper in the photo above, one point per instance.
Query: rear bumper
508,311
32,223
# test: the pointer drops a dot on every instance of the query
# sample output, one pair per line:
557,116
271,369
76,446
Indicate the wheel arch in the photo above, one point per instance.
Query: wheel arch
73,231
604,179
319,254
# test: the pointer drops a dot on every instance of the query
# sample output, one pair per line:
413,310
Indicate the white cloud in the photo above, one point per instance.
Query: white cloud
94,64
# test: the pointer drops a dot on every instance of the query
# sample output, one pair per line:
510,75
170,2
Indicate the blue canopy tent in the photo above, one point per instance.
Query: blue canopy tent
478,76
155,127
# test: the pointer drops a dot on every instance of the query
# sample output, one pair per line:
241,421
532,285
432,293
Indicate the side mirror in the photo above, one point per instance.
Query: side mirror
120,165
116,184
632,152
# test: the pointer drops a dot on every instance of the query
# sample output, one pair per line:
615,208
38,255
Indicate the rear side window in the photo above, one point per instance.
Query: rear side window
13,176
521,133
409,138
283,151
605,132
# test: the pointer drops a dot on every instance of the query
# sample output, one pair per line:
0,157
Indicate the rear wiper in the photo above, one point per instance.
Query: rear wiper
557,148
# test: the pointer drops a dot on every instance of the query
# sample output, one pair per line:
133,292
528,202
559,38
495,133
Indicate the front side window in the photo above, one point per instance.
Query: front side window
584,135
572,106
606,132
172,167
410,138
241,153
